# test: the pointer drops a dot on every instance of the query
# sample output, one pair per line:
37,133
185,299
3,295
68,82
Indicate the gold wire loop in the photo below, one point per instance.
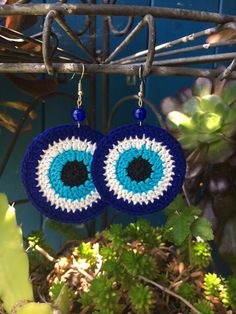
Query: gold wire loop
80,90
141,88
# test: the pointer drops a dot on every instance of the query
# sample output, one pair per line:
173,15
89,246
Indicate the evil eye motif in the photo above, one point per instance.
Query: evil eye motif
56,173
138,169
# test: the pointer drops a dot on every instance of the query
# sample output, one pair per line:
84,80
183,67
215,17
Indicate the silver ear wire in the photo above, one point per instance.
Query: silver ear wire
80,90
141,88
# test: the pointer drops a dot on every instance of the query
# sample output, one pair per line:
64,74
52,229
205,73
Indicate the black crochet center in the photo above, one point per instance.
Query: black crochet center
139,169
74,173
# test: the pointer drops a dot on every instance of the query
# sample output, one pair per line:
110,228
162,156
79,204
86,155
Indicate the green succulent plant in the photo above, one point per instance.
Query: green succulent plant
201,254
204,307
187,291
231,288
212,285
207,119
141,298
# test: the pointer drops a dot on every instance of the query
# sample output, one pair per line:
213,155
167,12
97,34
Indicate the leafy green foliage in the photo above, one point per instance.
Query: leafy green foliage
116,235
85,251
55,290
102,295
138,264
212,285
204,307
125,257
35,238
141,298
187,291
201,227
64,299
183,223
142,232
201,254
231,289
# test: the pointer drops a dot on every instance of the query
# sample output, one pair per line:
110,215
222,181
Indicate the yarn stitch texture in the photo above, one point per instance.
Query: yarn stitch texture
139,191
52,178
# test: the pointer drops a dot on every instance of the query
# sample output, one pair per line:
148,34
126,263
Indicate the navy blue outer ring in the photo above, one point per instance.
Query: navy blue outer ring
28,172
127,131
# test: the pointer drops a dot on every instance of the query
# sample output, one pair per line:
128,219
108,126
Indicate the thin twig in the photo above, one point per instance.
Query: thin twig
186,195
77,267
45,253
166,290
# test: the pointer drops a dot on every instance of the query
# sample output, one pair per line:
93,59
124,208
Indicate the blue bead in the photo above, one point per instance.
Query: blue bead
139,114
78,114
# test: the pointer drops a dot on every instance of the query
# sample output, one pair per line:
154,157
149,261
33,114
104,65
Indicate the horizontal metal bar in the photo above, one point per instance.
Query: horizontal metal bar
114,10
179,51
197,60
170,44
108,69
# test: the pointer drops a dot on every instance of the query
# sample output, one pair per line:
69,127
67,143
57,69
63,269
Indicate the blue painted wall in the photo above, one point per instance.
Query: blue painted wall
56,110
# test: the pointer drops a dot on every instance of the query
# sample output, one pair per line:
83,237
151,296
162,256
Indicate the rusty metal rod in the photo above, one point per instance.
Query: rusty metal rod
181,50
18,35
123,31
109,69
170,44
147,20
115,10
197,60
73,35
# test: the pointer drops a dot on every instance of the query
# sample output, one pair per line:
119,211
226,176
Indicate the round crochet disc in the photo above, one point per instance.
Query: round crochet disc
138,169
56,173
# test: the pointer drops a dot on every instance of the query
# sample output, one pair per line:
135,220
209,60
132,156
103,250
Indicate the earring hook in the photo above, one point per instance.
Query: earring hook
141,87
82,74
140,70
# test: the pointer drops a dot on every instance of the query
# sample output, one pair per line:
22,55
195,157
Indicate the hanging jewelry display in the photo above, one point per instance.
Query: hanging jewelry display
138,168
56,170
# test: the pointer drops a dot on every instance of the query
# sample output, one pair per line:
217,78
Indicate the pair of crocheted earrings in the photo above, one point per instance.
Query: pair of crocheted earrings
72,172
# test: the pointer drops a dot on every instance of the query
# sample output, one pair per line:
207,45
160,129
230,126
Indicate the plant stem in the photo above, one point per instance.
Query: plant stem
166,290
190,255
44,253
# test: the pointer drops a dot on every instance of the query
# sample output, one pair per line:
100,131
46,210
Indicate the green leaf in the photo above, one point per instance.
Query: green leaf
176,118
207,122
228,94
202,86
64,300
209,137
36,308
191,106
201,227
219,152
222,110
208,103
178,204
14,265
178,226
189,140
229,127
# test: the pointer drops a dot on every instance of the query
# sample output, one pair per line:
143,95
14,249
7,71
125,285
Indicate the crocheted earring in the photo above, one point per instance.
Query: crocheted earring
138,168
56,170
